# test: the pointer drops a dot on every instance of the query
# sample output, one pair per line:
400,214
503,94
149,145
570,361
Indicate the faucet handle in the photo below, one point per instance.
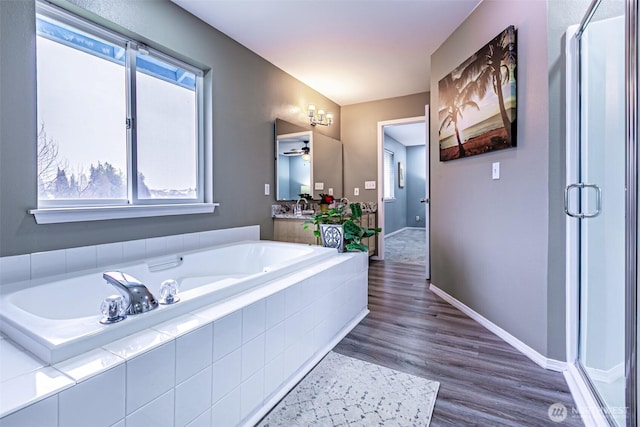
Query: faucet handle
113,309
169,292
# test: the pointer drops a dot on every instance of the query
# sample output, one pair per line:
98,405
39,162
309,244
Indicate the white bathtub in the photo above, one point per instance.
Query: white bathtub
59,318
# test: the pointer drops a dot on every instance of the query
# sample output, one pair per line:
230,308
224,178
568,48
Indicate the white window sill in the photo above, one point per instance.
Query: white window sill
61,215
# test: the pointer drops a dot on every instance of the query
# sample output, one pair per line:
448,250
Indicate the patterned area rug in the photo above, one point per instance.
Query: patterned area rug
407,246
343,391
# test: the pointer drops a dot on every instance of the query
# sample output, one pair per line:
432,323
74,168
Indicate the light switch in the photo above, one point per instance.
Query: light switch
267,189
356,191
495,170
369,185
319,186
330,191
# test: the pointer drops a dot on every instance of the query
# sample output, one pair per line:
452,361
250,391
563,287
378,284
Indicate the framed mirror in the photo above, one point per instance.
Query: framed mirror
324,168
294,166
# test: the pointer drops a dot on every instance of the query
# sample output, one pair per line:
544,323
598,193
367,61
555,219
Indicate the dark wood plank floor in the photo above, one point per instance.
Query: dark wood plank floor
483,380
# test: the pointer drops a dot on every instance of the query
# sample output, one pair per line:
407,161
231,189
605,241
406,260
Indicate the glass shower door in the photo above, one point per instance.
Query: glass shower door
601,349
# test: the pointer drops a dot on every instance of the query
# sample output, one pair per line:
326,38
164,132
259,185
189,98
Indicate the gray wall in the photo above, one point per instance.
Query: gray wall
416,176
490,239
248,95
360,138
395,211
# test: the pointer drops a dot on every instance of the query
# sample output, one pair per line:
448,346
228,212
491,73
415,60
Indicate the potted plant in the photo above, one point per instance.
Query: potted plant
325,201
340,228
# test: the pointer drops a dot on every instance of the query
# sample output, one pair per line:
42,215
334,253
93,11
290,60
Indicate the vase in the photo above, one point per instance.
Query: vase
324,207
332,236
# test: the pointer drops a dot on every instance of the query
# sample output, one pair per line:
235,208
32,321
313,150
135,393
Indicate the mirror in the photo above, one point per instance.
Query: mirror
293,165
323,170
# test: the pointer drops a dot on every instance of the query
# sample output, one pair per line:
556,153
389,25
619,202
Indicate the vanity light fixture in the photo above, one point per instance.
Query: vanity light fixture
319,117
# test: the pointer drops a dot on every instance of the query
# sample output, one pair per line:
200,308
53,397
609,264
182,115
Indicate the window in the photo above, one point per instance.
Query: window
389,176
119,123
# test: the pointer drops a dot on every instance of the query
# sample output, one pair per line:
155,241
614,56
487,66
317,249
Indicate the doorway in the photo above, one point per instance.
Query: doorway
403,191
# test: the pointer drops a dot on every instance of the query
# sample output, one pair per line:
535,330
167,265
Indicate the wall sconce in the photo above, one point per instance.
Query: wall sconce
319,118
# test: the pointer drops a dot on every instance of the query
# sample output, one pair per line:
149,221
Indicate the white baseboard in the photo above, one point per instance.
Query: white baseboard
607,376
589,409
403,229
539,359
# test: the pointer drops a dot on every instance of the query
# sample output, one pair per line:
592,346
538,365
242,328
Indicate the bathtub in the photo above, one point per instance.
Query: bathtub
58,318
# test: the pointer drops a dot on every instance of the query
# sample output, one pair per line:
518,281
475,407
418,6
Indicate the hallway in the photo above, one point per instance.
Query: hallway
484,381
406,246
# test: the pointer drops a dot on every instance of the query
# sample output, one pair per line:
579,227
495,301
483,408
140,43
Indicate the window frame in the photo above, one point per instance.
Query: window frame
72,210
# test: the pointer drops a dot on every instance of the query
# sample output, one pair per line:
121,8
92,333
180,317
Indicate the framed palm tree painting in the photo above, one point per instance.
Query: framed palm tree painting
477,101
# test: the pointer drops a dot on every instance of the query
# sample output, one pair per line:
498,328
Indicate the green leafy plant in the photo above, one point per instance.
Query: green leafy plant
350,220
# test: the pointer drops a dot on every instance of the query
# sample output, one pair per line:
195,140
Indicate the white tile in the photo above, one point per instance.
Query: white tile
150,375
251,394
193,397
109,254
293,330
275,311
191,241
16,361
226,413
194,352
15,268
203,420
138,343
49,263
273,375
174,244
252,356
292,300
274,342
253,320
227,334
134,250
208,238
157,413
98,401
89,364
20,392
156,246
292,360
182,325
227,375
82,258
42,414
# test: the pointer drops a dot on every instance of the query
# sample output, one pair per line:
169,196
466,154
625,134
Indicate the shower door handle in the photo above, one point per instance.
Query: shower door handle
580,186
426,200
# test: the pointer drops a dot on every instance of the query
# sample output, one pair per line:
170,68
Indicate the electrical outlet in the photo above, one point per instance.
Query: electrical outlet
417,218
267,189
330,191
356,191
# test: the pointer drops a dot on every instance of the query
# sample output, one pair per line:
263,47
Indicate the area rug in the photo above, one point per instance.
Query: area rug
408,247
343,391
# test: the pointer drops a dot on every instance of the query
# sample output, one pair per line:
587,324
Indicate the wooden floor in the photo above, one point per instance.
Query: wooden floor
483,380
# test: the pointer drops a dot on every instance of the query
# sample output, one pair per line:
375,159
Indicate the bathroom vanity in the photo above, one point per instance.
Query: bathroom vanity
290,228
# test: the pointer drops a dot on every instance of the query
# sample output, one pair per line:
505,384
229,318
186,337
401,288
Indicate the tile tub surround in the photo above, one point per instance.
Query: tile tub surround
226,364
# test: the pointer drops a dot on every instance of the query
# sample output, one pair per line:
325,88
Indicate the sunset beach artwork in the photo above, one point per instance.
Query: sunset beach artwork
477,101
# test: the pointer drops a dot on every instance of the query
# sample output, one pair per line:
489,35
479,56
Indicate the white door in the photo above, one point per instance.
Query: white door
426,201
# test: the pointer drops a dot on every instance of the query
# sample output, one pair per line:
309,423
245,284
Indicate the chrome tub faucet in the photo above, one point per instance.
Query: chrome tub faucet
138,299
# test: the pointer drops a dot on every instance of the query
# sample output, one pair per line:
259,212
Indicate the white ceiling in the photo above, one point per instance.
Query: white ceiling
349,50
408,134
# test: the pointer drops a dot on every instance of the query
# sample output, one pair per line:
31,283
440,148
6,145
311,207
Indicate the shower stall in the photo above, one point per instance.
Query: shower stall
601,207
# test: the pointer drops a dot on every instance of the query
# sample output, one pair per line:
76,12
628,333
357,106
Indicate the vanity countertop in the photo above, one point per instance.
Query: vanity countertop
292,216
